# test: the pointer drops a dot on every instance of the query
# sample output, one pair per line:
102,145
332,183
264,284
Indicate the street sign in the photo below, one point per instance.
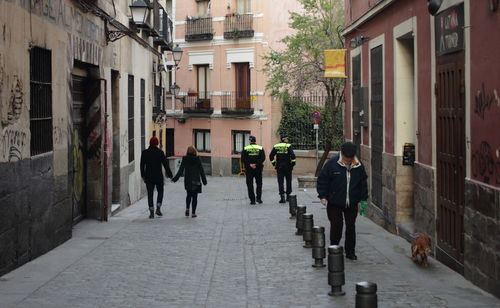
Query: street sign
316,117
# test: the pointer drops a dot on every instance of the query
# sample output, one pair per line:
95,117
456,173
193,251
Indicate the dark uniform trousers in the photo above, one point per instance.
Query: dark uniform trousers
257,175
284,173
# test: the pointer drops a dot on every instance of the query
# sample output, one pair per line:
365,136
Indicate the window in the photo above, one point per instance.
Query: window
41,101
204,81
240,141
202,140
243,6
143,111
204,8
130,118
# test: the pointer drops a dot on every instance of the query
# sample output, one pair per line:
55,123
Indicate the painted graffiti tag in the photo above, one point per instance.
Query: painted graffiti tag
16,101
78,167
485,166
484,101
13,144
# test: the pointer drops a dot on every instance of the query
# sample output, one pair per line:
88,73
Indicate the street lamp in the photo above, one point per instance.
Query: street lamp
174,89
140,11
177,54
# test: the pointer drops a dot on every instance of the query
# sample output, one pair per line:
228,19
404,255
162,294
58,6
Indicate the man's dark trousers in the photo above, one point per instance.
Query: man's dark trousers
151,187
250,175
336,215
282,174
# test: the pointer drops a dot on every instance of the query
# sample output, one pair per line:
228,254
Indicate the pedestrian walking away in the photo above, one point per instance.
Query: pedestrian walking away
283,159
253,158
152,159
193,177
341,185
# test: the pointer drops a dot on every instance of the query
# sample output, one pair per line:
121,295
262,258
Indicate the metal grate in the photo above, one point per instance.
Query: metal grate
40,101
143,112
130,118
199,29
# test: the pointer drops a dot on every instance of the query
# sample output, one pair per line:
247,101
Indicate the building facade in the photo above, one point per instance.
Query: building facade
77,83
422,103
222,98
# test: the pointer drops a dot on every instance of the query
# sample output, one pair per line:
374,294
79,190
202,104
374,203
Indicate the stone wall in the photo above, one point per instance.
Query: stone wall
482,236
36,210
424,202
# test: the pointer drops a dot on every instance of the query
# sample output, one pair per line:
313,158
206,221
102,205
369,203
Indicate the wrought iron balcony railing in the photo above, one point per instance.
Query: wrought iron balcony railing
237,102
198,103
199,29
238,26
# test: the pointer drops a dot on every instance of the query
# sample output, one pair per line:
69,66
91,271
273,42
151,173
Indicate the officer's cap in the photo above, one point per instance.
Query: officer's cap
252,139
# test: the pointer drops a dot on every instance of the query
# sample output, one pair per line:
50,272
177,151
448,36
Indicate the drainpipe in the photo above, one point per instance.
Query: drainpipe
105,188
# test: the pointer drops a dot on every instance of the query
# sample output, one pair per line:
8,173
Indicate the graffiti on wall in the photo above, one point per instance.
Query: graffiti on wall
484,101
15,103
14,142
486,164
64,15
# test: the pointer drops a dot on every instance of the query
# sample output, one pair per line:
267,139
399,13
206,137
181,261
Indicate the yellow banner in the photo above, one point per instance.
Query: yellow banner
335,63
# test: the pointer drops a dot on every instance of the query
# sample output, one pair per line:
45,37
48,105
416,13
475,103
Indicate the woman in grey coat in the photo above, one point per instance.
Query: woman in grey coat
193,177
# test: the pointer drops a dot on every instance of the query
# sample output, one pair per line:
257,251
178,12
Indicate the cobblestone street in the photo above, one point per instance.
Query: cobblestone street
233,255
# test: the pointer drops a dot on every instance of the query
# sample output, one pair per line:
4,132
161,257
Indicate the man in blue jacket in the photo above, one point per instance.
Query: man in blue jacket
341,185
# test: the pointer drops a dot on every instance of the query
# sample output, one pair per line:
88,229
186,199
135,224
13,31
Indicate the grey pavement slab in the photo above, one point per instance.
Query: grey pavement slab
233,255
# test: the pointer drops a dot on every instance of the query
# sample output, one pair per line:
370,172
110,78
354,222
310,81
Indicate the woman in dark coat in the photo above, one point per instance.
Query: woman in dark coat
193,173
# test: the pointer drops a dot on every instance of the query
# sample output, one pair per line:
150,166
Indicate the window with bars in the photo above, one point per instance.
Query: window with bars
41,101
130,118
202,140
240,141
143,114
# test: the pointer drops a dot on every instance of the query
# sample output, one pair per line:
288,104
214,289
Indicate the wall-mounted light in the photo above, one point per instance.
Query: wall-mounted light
177,54
174,89
433,6
357,41
140,12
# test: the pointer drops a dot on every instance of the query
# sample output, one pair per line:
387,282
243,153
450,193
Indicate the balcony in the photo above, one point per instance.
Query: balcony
236,103
238,26
199,29
198,103
165,30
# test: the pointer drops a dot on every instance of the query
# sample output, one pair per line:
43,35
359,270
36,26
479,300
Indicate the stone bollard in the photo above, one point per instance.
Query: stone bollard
366,295
301,209
292,205
308,224
336,277
318,251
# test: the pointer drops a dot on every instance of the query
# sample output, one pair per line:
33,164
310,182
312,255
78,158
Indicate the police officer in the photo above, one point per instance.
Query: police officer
284,163
253,158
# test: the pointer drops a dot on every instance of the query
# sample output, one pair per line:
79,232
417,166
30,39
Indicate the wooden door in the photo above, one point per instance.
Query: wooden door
377,120
242,85
356,101
450,105
78,150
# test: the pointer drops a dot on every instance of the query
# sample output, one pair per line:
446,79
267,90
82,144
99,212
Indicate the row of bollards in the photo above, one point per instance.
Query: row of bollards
314,237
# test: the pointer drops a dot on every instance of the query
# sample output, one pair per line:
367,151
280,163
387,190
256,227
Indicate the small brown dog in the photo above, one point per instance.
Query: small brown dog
421,246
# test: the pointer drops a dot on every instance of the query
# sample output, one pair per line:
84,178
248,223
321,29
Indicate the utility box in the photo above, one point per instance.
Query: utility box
408,154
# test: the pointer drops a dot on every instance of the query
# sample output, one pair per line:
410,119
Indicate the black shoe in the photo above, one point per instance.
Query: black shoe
186,213
158,212
287,197
252,202
351,256
151,214
282,199
259,201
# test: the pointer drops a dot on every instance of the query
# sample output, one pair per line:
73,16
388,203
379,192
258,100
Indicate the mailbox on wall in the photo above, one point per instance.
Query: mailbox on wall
408,154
